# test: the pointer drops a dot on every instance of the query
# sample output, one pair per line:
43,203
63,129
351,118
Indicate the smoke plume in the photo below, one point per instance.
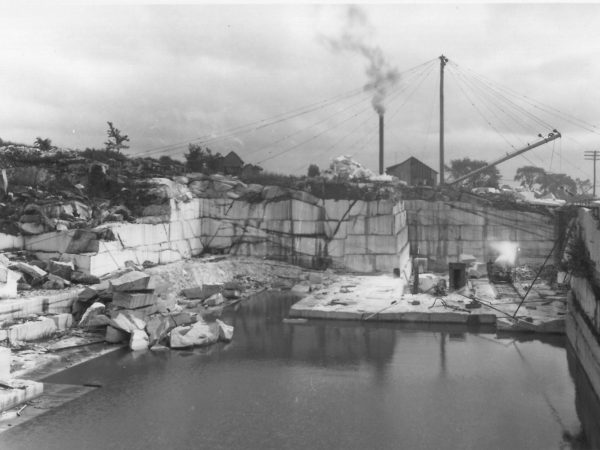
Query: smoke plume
354,38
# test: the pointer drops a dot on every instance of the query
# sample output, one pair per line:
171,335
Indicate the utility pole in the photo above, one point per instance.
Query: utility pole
443,61
593,155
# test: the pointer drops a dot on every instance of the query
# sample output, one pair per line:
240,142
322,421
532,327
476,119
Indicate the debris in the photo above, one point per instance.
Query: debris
94,316
84,278
202,292
61,269
225,331
214,300
427,281
133,300
198,334
158,328
477,270
31,270
130,281
138,340
125,320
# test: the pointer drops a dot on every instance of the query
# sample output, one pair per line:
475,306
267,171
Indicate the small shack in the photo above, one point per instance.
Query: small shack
414,172
232,164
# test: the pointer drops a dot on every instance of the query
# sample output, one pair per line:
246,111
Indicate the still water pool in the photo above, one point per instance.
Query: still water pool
320,385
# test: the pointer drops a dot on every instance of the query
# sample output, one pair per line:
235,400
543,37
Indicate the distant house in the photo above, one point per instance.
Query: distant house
250,170
232,164
414,172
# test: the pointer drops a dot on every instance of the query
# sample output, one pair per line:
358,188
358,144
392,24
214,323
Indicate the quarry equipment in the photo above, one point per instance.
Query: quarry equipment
549,138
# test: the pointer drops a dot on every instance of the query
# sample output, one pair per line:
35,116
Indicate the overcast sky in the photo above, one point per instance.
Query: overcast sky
168,75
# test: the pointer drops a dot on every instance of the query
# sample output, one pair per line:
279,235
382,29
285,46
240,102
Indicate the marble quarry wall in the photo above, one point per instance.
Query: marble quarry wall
354,235
583,316
442,230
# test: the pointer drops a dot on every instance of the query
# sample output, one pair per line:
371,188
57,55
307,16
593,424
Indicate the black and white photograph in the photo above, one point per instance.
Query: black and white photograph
252,226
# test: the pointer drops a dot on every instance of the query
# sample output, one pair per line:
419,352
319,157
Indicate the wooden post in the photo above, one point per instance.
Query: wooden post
443,61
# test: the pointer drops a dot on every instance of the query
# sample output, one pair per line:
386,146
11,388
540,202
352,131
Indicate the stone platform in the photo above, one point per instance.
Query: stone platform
385,298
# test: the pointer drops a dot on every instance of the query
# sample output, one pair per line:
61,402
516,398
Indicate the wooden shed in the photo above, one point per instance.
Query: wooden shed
414,172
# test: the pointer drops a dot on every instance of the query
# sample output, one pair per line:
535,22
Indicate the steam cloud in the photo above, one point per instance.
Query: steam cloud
380,74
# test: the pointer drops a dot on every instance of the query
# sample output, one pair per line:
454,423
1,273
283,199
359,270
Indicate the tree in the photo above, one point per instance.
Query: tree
115,138
584,187
313,170
43,144
558,184
490,177
530,176
202,160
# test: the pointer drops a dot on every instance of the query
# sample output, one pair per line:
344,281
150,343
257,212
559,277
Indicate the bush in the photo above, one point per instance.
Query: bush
313,170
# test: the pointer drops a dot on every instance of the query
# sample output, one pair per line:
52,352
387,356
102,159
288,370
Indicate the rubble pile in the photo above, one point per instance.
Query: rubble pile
140,309
18,275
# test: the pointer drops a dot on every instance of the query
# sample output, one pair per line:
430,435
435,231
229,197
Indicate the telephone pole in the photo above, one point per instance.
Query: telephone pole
443,61
593,155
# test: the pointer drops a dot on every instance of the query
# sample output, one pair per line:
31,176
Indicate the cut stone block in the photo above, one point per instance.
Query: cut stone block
383,225
31,331
336,209
126,321
83,241
61,269
33,271
63,321
131,281
132,300
9,289
5,357
202,292
23,391
385,245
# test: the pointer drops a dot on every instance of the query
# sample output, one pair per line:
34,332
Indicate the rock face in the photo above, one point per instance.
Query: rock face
221,214
443,231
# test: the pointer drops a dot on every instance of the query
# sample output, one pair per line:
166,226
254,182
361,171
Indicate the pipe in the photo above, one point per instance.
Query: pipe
380,144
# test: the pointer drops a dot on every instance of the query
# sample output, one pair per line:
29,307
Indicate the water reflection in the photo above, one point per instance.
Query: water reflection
323,384
587,405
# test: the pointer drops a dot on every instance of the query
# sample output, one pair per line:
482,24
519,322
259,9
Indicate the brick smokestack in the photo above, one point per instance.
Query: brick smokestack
381,144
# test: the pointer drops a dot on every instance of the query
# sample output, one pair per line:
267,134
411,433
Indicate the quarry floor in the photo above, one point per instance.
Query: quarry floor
322,295
385,298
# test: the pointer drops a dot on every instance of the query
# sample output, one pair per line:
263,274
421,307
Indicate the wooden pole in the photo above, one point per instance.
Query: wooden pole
592,155
443,61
